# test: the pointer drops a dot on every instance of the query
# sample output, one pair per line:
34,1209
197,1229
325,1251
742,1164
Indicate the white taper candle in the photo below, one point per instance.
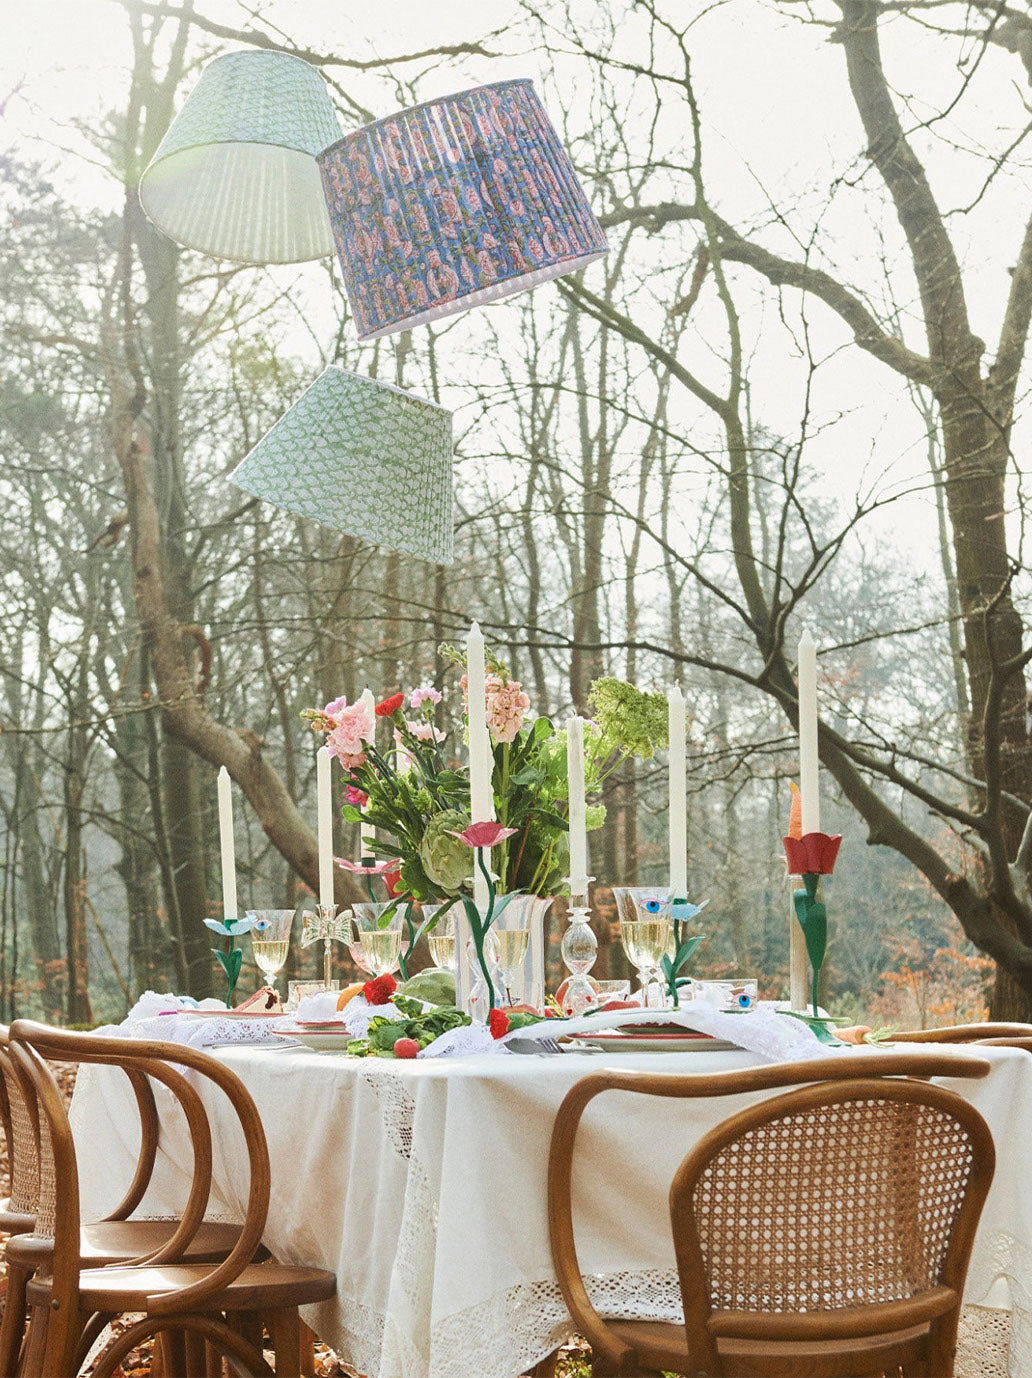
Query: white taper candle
325,798
809,769
578,820
678,794
227,847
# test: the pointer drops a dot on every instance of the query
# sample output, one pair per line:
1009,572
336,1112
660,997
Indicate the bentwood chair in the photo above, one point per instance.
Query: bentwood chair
200,1310
964,1033
116,1239
821,1233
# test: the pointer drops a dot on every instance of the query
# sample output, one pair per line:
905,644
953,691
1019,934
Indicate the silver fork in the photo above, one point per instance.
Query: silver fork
546,1045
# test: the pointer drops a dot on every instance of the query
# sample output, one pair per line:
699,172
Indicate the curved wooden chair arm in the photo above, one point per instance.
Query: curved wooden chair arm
144,1053
853,1067
150,1132
66,1261
200,1185
1024,1043
964,1033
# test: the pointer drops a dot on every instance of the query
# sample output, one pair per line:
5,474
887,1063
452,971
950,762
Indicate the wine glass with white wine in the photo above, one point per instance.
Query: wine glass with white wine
511,932
270,940
645,929
378,929
441,937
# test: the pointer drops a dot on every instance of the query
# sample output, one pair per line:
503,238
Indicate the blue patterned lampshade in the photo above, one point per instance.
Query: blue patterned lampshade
363,457
453,204
235,175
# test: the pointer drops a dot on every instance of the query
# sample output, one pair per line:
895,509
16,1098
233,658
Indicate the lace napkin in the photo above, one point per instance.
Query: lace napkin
170,1018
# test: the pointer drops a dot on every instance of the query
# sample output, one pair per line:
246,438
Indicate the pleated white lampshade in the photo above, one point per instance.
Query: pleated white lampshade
235,175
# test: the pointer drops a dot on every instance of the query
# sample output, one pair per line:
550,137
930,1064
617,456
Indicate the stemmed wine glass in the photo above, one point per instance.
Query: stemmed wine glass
377,948
270,940
511,931
441,937
645,929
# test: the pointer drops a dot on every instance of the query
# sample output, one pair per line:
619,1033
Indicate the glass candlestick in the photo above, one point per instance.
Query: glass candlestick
326,926
579,949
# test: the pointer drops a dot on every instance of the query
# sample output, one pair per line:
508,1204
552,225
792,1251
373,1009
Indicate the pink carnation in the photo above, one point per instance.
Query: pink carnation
353,727
425,694
423,731
356,797
507,706
335,705
348,749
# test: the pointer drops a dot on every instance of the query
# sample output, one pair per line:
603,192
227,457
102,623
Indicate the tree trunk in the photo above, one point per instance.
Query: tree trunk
78,1000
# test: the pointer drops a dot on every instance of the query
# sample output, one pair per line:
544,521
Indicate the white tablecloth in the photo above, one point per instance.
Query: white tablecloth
422,1186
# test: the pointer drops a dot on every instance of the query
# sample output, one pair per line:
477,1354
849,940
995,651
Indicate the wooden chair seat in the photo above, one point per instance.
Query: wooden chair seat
15,1222
661,1346
260,1286
117,1241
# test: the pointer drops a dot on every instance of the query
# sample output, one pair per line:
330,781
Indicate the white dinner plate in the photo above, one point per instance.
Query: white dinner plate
232,1014
615,1041
322,1042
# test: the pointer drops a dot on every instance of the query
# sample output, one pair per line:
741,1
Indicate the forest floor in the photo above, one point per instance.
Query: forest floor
575,1360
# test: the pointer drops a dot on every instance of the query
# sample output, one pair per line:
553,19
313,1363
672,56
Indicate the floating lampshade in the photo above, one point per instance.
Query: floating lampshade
364,457
235,175
452,204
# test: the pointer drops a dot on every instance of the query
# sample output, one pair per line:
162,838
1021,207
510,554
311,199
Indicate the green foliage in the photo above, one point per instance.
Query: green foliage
421,1025
630,721
230,962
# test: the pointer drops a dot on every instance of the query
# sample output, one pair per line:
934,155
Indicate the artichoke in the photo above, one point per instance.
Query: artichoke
435,986
447,862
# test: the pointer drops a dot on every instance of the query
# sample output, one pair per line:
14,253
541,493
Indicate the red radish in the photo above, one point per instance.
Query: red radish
406,1047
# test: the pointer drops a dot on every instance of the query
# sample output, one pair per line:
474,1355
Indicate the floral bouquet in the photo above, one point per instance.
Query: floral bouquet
415,793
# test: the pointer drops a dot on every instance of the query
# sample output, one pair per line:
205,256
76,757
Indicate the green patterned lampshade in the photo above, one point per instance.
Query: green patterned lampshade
363,457
235,175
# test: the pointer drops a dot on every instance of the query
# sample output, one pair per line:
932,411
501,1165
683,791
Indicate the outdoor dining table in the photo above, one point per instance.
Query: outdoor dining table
421,1184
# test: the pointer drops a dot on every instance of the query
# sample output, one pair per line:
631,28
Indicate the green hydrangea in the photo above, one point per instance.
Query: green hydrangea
631,722
447,862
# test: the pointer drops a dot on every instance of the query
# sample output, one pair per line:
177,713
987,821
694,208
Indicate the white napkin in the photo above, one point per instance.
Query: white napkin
318,1008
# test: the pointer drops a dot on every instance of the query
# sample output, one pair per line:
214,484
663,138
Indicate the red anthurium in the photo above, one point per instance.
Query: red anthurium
484,834
390,706
813,854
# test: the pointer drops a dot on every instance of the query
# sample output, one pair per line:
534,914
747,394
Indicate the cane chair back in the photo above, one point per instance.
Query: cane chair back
629,1347
964,1033
831,1213
21,1127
